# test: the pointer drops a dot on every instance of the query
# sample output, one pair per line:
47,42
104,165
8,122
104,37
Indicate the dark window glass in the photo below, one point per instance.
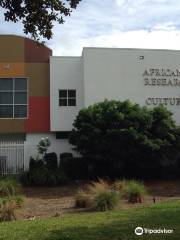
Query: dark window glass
6,97
6,84
67,97
71,102
62,93
21,84
13,91
7,137
63,102
62,135
71,93
20,111
20,98
6,111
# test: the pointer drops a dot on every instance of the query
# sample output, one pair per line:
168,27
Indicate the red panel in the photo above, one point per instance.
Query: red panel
36,53
39,115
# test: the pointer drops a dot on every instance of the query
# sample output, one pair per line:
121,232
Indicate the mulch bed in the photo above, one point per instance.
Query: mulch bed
55,202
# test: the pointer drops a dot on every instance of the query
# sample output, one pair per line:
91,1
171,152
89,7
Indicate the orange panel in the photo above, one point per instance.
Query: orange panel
12,70
39,115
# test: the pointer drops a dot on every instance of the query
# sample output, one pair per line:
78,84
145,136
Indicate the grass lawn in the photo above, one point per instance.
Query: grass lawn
112,225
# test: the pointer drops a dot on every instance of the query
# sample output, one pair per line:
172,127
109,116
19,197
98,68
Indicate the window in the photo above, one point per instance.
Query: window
13,97
67,97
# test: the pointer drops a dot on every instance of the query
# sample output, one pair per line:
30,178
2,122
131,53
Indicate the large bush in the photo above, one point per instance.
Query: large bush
122,139
76,168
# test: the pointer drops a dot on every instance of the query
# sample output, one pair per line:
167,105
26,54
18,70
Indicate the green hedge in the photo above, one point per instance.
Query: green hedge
44,172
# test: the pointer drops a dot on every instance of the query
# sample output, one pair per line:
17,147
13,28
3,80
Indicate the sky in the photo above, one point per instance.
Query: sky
113,23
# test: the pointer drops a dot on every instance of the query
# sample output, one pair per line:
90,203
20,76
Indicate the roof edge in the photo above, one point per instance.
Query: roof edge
118,48
24,37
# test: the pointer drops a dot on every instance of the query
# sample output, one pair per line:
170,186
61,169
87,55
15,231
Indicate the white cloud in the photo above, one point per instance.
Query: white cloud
169,26
120,3
157,39
116,23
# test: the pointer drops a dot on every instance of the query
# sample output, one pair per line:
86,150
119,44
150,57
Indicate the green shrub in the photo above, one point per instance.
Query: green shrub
34,164
65,155
38,177
83,199
118,185
76,168
34,177
9,187
43,177
98,195
104,197
8,205
106,200
95,188
43,172
24,178
19,199
51,178
61,177
133,191
42,147
51,161
124,139
9,198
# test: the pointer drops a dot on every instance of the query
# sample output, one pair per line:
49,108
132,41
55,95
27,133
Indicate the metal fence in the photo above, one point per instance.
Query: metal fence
12,157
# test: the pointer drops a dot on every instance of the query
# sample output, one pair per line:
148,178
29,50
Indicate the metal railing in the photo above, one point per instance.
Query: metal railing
12,157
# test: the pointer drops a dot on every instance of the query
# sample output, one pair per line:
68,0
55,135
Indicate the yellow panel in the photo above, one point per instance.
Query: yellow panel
12,125
12,70
39,79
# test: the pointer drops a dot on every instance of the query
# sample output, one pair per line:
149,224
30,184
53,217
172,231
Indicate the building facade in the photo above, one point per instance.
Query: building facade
41,94
25,98
147,77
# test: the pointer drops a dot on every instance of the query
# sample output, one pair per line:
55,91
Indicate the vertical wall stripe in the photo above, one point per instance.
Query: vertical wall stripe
39,115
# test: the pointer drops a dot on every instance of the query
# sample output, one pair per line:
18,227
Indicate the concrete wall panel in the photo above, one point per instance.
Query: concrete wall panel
66,73
119,74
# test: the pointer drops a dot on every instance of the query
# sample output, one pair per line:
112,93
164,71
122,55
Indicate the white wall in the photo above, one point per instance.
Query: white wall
111,73
65,73
118,74
57,145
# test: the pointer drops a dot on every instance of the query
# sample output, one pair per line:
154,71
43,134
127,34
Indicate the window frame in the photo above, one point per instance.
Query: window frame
18,91
67,97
